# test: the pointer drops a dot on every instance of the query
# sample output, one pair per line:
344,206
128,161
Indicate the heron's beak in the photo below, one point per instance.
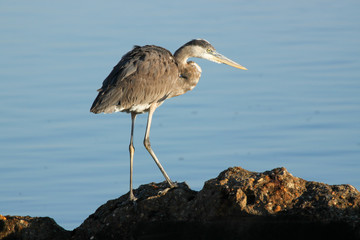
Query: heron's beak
219,58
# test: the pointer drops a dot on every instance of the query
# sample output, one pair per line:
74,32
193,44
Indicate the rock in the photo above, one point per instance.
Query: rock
31,228
238,204
120,218
276,192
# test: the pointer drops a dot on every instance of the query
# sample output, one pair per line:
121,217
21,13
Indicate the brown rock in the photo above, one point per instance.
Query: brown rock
238,204
30,228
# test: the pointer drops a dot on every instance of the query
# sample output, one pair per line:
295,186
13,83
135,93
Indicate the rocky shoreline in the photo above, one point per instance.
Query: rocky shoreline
238,204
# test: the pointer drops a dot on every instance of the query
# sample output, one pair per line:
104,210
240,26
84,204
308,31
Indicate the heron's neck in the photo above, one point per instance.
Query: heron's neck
182,55
189,77
189,72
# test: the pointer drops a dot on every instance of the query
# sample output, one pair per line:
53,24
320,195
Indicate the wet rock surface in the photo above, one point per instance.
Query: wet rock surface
238,204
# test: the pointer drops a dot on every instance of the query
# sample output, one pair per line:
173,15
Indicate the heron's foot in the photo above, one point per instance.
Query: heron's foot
132,197
163,192
173,185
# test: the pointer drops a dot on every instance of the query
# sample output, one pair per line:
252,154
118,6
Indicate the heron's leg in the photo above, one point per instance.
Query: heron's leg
132,150
148,147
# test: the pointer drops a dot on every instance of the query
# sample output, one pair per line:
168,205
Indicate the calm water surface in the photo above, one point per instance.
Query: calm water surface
298,106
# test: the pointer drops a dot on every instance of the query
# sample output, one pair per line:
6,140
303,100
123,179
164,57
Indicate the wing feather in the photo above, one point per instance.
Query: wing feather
143,76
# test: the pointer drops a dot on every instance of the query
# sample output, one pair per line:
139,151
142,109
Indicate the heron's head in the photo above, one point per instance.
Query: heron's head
201,48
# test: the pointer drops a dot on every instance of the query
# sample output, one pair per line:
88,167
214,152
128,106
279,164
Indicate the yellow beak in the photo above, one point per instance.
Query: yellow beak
217,57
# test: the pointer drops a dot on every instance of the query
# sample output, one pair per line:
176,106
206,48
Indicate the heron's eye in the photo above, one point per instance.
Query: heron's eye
209,50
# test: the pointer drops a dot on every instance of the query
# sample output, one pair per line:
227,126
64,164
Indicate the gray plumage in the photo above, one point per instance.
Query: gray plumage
135,81
145,77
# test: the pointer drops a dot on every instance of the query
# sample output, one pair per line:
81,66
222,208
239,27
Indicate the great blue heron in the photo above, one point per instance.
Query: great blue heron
145,77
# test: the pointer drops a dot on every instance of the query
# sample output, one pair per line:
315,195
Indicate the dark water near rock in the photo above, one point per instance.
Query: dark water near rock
298,106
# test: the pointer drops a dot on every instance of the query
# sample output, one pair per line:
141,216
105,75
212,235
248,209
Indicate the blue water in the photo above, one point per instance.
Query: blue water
297,106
